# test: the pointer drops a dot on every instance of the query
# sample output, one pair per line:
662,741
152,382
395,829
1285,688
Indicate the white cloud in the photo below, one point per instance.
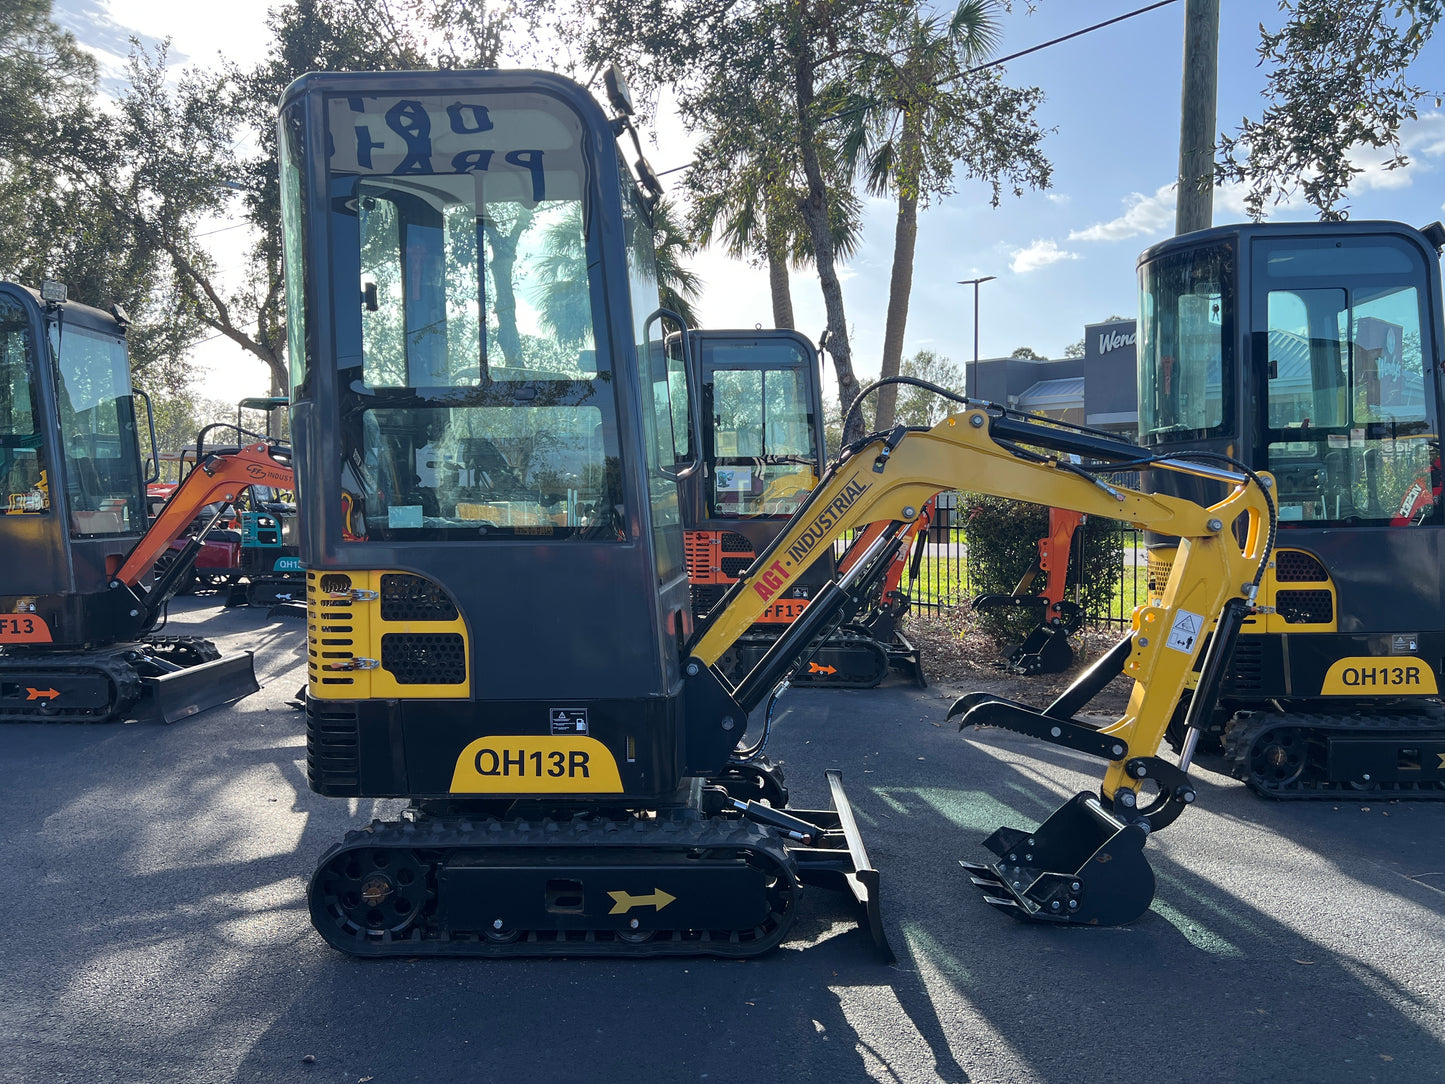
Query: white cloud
1424,135
1058,197
1143,215
1037,255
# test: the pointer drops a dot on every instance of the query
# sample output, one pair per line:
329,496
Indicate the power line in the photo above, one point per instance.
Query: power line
1066,37
995,63
222,229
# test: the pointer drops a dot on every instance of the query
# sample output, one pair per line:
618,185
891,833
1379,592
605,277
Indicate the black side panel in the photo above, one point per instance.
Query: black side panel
410,748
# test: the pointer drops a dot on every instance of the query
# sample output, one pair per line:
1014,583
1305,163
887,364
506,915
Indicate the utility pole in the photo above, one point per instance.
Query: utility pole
1194,207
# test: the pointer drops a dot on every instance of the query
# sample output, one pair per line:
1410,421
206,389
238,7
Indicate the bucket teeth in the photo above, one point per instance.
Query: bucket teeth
982,876
1011,906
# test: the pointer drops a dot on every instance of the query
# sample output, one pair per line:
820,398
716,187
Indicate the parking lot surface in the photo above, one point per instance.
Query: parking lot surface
157,927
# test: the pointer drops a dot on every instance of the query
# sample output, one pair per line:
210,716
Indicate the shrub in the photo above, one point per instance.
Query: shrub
1002,537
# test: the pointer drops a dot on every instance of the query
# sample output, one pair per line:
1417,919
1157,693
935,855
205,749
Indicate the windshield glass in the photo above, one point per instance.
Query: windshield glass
22,471
476,402
1186,337
97,430
761,426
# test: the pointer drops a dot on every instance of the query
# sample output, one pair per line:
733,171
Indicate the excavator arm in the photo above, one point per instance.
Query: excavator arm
1211,585
218,477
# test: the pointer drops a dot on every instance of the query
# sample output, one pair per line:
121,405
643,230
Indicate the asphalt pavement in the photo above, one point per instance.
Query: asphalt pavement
158,928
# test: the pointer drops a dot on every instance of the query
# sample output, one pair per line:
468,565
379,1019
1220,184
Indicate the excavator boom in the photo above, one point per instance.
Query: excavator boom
218,477
1222,550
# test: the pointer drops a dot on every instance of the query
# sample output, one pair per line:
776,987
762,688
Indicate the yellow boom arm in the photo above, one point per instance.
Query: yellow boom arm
883,483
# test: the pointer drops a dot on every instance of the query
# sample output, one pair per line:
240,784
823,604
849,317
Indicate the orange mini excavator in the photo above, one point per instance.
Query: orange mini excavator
78,608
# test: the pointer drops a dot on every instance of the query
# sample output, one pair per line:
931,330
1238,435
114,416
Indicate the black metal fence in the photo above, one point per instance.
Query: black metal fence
944,578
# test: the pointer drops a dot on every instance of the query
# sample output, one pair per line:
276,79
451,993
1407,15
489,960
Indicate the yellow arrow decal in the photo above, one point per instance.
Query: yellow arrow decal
622,902
1442,759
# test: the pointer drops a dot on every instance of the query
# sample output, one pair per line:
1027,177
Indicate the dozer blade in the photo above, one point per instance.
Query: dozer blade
838,860
168,698
1082,866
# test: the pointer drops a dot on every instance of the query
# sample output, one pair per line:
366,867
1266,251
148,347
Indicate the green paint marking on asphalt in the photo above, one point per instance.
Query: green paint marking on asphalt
972,809
1195,934
924,946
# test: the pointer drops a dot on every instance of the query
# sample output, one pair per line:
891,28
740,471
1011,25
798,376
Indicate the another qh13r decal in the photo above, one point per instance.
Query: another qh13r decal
530,764
1371,676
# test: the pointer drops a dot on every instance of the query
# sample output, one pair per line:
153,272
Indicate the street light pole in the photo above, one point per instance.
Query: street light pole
975,284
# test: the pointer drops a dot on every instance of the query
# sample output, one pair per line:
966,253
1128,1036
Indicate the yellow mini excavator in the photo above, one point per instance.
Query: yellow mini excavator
491,416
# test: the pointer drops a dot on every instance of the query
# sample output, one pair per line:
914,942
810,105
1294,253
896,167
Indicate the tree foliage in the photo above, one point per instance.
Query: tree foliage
71,181
1338,80
721,58
919,406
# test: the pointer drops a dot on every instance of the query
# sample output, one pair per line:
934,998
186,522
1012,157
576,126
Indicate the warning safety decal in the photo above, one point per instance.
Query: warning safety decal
1185,631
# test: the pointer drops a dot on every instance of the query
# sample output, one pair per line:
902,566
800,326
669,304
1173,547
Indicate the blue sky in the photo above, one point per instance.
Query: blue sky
1063,258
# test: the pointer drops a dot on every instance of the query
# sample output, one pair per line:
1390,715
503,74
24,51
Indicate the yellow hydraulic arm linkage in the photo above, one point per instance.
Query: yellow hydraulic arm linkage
1084,864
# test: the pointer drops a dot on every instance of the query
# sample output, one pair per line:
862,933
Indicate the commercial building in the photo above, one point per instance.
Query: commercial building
1097,389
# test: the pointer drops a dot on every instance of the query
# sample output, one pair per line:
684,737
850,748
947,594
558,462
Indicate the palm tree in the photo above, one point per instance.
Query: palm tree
916,115
747,187
561,289
678,286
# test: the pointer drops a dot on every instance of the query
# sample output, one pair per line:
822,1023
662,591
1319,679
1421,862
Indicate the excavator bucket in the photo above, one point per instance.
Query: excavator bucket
188,690
1082,866
1046,650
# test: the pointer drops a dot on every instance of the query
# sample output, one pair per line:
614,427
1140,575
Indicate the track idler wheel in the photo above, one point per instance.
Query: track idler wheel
371,894
1082,866
1277,760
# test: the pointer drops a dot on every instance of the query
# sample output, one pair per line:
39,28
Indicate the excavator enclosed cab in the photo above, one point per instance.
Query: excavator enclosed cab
72,628
763,450
1313,351
73,484
490,430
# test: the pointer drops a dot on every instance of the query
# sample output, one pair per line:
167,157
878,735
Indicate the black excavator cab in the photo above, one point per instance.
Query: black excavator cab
763,452
490,426
1313,350
76,640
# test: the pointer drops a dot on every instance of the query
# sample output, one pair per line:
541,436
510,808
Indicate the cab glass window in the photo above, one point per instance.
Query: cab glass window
763,430
476,403
666,410
103,485
1349,426
24,485
1186,336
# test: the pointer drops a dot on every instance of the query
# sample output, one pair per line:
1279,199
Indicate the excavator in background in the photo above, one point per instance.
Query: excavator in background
1046,649
78,609
492,421
251,555
1313,350
762,449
